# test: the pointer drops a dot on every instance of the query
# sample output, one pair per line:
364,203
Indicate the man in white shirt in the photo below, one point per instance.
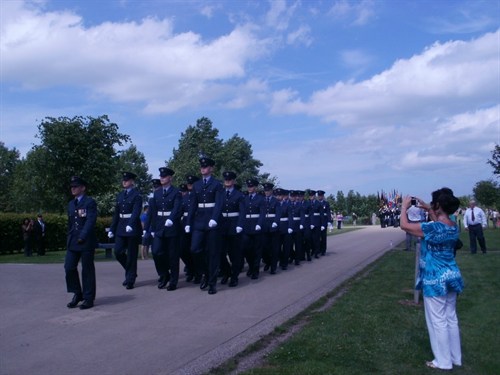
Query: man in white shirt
474,222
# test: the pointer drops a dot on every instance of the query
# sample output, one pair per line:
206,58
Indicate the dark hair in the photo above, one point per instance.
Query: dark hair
445,199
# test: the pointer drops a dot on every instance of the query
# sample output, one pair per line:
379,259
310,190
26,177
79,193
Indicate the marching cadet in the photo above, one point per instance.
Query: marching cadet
252,228
233,211
285,230
185,238
316,216
81,244
307,232
203,217
165,211
270,230
297,226
147,240
126,225
326,220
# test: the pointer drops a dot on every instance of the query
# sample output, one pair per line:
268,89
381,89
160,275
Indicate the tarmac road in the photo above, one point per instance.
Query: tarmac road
149,331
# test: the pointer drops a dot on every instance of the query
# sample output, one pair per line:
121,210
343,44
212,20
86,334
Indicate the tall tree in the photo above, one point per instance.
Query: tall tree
9,159
495,160
487,193
83,146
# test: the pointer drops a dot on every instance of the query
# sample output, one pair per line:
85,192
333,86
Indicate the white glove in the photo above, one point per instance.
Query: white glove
301,226
257,227
110,235
312,226
290,230
169,223
143,233
274,225
152,234
322,228
239,229
128,229
187,229
212,223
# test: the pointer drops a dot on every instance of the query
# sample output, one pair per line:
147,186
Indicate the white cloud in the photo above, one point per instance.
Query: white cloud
358,14
279,14
300,36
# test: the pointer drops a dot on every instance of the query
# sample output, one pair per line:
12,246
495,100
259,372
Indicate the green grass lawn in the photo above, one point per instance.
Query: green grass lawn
374,328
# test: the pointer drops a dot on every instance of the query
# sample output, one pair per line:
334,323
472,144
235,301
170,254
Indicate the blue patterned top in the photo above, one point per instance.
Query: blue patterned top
439,273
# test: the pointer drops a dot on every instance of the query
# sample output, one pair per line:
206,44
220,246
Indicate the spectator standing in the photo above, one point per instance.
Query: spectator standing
39,229
27,229
474,222
354,219
81,244
339,220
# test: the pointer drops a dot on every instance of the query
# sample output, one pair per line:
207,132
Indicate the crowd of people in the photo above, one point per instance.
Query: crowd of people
211,225
34,232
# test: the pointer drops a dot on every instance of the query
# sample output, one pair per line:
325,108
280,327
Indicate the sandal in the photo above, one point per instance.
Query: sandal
431,364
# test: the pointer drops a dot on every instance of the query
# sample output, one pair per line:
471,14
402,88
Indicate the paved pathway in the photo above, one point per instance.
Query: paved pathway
155,332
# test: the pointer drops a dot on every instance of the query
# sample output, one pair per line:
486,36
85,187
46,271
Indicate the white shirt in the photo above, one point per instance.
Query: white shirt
479,217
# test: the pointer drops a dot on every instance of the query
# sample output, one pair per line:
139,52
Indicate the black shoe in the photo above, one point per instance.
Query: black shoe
255,276
130,286
125,282
233,283
308,258
75,301
87,304
171,287
212,289
224,280
249,273
297,263
162,284
266,267
284,268
316,256
204,284
273,272
189,278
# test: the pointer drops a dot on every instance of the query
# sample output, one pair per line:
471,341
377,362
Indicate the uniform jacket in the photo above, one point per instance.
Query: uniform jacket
306,207
206,204
165,206
128,211
316,213
285,216
272,214
255,212
233,212
297,213
81,224
327,213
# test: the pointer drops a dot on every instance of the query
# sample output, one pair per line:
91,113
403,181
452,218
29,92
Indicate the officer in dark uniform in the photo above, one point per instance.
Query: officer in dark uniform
126,225
270,229
285,230
306,232
146,232
164,218
297,226
252,228
81,243
204,217
231,226
185,238
326,220
316,216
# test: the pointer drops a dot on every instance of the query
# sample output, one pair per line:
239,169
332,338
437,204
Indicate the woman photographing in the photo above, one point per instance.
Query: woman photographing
439,277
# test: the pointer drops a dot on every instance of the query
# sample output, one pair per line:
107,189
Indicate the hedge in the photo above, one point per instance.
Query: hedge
11,235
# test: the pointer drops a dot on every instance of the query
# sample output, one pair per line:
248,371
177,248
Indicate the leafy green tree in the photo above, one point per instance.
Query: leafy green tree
203,139
83,146
340,203
9,159
495,160
487,193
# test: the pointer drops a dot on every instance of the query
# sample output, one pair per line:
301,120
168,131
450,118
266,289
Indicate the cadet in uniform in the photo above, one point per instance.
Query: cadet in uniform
270,229
203,218
185,238
307,232
81,243
297,226
126,225
316,216
326,220
164,217
252,228
285,230
231,225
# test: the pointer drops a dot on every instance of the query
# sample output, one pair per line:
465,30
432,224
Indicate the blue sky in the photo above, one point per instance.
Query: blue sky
333,95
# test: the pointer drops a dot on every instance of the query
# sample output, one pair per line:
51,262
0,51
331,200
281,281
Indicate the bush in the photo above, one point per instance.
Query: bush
11,235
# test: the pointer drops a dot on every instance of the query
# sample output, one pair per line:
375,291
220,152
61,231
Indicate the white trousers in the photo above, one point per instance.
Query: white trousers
444,334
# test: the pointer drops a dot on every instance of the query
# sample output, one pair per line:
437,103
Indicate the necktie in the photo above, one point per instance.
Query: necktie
76,202
227,193
472,214
204,181
164,192
126,192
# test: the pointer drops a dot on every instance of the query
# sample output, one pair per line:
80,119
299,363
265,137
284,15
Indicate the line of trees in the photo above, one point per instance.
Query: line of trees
95,149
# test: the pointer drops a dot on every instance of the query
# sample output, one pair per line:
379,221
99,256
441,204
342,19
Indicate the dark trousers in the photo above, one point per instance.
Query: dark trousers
322,242
166,257
40,245
126,250
285,245
315,240
232,247
476,232
205,247
27,247
306,245
271,249
298,250
88,273
186,256
252,245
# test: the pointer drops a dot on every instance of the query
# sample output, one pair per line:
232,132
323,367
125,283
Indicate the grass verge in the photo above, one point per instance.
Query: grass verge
374,327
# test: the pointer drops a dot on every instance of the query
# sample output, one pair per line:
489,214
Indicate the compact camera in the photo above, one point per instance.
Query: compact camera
413,201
